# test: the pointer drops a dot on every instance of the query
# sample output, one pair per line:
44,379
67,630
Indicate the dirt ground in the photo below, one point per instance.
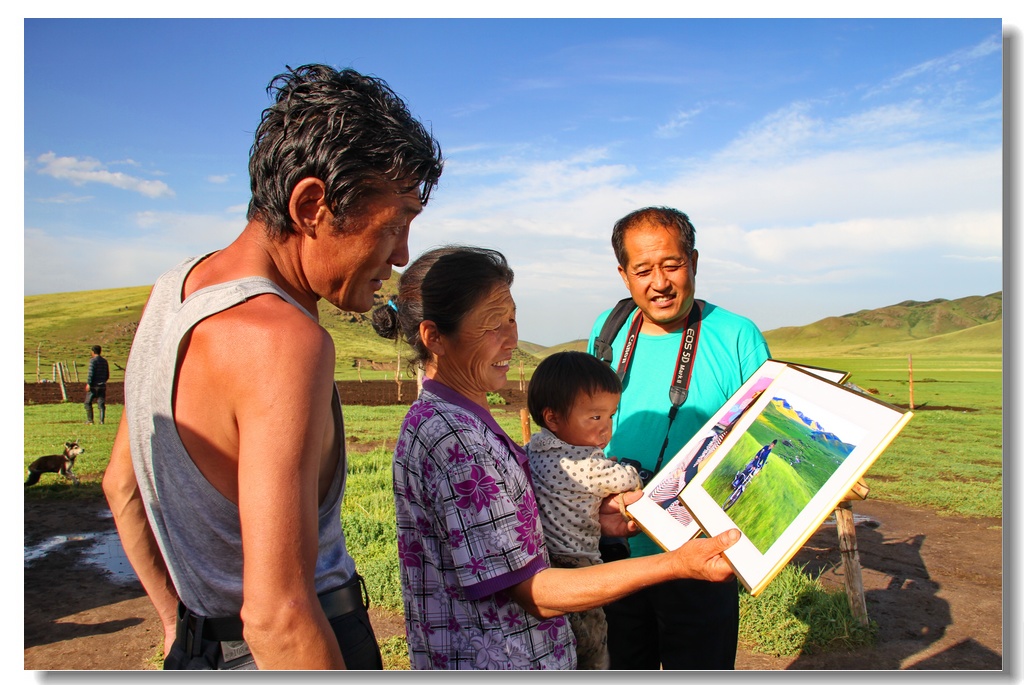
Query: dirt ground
933,583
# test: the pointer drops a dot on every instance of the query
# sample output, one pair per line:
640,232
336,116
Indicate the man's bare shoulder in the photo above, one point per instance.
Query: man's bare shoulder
267,331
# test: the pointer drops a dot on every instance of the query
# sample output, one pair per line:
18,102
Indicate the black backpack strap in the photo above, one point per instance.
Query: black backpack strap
616,319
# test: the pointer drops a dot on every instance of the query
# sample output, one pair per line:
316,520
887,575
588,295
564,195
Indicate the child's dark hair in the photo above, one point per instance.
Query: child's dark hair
561,377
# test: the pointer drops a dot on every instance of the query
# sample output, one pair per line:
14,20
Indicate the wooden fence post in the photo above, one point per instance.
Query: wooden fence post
524,420
60,373
398,375
75,365
359,370
522,377
851,561
910,372
37,361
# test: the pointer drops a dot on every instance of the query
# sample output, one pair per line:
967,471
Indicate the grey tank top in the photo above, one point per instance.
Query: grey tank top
196,527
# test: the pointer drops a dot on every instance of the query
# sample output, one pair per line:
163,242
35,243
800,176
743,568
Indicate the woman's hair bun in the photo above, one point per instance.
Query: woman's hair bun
385,320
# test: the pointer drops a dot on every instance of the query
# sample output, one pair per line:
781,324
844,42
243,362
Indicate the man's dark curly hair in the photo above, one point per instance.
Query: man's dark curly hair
349,130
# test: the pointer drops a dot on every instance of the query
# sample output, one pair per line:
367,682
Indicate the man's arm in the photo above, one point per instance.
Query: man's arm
282,429
122,491
556,591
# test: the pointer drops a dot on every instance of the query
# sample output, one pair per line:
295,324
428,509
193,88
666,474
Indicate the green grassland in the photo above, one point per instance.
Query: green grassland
49,426
63,327
783,487
948,458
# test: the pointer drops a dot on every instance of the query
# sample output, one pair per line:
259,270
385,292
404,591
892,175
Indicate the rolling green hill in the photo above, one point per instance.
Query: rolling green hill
969,325
577,345
63,326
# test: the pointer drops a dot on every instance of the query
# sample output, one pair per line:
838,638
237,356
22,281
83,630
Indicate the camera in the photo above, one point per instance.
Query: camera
645,474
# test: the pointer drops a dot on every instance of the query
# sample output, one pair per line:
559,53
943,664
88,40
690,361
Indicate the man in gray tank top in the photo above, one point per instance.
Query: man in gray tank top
228,469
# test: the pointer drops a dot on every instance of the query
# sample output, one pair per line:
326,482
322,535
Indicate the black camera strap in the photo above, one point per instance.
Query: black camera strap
684,364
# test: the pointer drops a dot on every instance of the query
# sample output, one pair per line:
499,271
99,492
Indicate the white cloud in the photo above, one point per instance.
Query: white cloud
824,246
677,124
81,171
64,199
854,221
219,178
941,66
989,259
779,133
163,240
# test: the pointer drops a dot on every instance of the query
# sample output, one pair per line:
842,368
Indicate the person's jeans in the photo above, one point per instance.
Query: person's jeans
677,625
99,394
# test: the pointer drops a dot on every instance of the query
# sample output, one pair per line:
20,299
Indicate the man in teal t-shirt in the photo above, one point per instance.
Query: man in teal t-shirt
685,624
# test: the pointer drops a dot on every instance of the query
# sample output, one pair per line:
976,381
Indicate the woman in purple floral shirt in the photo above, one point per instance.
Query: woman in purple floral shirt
477,587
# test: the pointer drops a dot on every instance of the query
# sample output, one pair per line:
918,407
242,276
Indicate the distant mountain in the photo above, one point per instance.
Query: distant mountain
575,345
818,432
531,348
833,441
967,325
62,327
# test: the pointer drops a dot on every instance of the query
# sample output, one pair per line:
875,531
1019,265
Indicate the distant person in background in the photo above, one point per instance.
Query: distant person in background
96,384
680,624
228,469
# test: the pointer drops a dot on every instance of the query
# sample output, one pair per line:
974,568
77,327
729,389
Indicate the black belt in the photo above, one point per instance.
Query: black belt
343,600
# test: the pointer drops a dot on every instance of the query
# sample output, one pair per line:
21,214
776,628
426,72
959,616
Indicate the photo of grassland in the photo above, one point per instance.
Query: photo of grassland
804,458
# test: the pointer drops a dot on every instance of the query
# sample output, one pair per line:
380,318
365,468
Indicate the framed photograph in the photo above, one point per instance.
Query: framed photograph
660,513
786,463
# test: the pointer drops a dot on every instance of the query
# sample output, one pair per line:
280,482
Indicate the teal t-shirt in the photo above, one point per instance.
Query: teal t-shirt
729,350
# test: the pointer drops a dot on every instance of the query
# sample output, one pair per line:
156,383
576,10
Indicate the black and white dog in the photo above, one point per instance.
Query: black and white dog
56,463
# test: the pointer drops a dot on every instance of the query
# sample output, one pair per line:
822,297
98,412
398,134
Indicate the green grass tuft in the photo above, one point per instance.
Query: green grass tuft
796,615
48,427
395,652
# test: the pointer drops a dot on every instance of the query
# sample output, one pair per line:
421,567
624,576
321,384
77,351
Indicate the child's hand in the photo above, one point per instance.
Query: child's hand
614,522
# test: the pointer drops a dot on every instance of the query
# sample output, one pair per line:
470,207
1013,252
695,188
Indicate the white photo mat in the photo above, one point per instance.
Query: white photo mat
864,426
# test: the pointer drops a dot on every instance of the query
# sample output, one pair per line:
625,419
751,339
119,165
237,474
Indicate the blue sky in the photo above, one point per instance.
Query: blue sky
828,165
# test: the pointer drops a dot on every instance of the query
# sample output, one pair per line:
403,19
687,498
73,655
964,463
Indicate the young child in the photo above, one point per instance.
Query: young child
573,396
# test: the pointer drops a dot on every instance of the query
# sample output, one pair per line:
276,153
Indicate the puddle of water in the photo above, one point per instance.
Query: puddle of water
858,520
104,551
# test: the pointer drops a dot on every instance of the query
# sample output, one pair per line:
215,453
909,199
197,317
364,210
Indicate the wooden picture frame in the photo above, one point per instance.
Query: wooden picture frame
787,462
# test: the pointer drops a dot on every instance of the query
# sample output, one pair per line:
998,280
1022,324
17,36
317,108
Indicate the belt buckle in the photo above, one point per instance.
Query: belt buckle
234,649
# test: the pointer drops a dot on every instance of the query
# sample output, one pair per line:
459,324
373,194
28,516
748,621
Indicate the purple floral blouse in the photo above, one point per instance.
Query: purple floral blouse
468,529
